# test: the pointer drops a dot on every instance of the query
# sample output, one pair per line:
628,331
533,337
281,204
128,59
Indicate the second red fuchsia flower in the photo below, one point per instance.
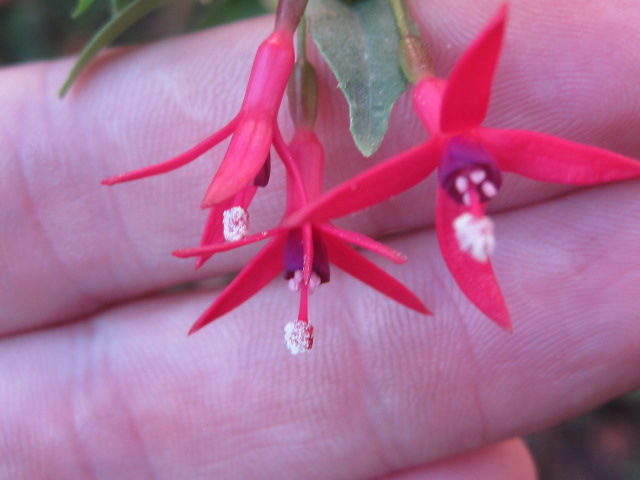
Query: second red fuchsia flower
303,251
470,159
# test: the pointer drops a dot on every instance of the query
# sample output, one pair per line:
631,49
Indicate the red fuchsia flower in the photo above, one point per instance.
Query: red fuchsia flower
470,159
246,164
303,251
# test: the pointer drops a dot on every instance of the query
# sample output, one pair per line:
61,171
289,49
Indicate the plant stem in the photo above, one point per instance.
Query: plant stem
413,54
405,26
302,90
302,40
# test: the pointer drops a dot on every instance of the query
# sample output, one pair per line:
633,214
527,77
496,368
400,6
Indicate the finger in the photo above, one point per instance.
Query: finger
383,390
506,460
81,246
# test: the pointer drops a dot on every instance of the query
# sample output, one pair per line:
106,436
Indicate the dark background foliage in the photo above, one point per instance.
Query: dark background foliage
37,29
601,445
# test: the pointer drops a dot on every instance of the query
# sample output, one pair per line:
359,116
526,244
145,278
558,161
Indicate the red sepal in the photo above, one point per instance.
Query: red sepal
476,279
176,162
551,159
466,98
373,186
347,259
263,268
244,159
362,241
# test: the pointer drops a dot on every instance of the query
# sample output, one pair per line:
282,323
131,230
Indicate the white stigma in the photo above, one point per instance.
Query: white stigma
299,336
296,281
475,236
235,224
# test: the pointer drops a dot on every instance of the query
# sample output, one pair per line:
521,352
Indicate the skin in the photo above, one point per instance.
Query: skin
99,379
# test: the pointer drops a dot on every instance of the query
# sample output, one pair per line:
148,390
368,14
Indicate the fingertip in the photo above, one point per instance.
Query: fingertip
506,460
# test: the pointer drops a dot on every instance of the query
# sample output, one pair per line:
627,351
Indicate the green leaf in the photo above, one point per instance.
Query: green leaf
81,8
112,30
360,44
118,5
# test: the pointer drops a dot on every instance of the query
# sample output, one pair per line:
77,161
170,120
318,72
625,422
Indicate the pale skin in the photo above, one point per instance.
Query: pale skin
99,379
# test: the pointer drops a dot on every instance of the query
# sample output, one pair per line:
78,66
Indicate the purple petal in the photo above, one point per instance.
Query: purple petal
263,176
460,157
294,255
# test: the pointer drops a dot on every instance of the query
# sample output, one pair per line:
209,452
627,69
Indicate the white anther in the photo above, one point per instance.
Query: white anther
477,176
462,184
466,199
314,282
475,236
489,189
296,281
235,224
299,336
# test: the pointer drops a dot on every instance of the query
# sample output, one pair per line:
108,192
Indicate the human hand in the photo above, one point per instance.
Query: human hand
100,378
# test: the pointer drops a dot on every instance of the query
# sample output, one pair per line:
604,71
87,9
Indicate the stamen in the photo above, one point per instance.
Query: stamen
235,224
295,281
299,336
475,236
462,184
314,282
477,176
466,199
489,189
464,168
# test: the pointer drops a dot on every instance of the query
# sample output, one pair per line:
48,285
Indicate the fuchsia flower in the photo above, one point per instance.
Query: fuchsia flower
303,251
246,164
470,159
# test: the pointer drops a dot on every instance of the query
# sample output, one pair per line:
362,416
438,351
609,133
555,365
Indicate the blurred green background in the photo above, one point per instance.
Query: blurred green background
601,445
38,29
